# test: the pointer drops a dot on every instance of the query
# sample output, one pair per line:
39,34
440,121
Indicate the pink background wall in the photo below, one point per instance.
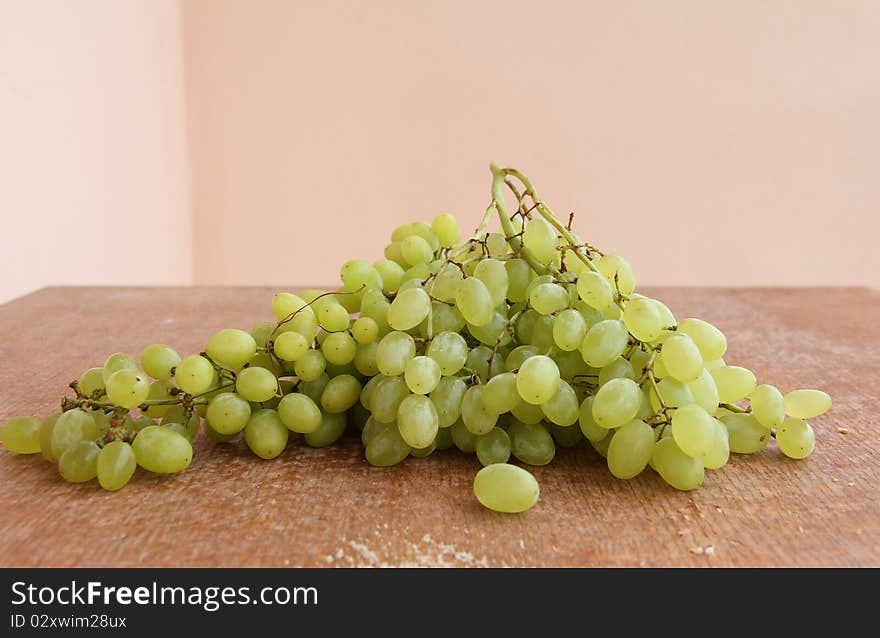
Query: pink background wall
722,143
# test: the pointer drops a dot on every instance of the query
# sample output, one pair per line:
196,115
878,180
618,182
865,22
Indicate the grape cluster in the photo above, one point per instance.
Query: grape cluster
506,344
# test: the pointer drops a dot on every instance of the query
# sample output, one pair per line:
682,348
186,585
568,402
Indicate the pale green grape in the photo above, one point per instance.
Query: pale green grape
79,463
443,440
417,421
387,397
537,379
494,275
262,332
493,447
290,346
549,298
72,427
340,394
194,374
391,274
709,339
91,382
682,358
594,290
569,330
746,435
395,349
506,488
158,449
527,413
449,350
642,318
295,315
331,430
734,383
531,444
540,238
806,404
525,325
447,398
601,446
768,406
332,316
371,428
228,413
175,414
675,467
478,360
231,347
47,426
500,395
387,448
638,359
542,334
675,394
158,361
367,390
394,252
256,384
475,417
310,366
617,403
630,449
357,273
705,392
159,391
339,348
592,430
714,363
416,250
444,285
444,318
620,368
365,330
519,276
462,438
493,332
474,301
695,431
128,388
497,244
265,434
566,436
115,465
446,228
115,363
365,359
299,413
422,374
259,360
21,435
617,272
605,341
562,408
409,309
717,455
517,356
795,438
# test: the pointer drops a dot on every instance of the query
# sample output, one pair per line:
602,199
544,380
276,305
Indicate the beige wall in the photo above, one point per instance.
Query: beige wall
93,163
712,143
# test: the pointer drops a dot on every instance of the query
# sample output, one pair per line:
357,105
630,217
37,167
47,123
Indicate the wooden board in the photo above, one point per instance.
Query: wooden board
329,508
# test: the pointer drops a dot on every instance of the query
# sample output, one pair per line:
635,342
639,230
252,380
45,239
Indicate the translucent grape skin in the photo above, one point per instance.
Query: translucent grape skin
537,379
158,361
265,434
231,347
115,465
493,447
531,444
795,438
675,467
72,427
630,449
806,404
299,413
734,383
161,450
447,398
228,413
422,374
127,388
617,403
477,418
474,301
768,406
500,395
387,448
417,421
21,435
506,488
194,374
746,435
79,463
449,350
256,384
331,430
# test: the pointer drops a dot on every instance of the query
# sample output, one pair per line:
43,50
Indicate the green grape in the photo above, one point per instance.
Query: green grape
159,361
447,398
115,465
394,252
497,244
734,383
475,417
675,394
387,397
256,384
290,346
159,391
605,341
341,394
506,488
367,390
562,408
449,350
531,444
231,347
261,332
115,363
795,438
158,449
331,430
768,406
519,276
542,334
537,379
712,364
709,339
175,414
357,273
391,274
493,447
47,426
128,388
395,349
494,332
446,229
806,404
642,318
421,453
387,448
478,361
705,392
500,395
295,314
194,374
444,284
180,429
299,413
215,437
409,308
617,403
474,301
638,360
540,238
527,413
21,435
549,298
695,432
682,358
718,454
594,290
417,421
675,467
517,356
525,325
494,275
620,368
416,250
333,317
259,360
79,463
365,330
462,438
592,430
372,428
339,348
365,359
745,433
228,413
601,446
310,366
617,272
415,274
265,434
91,381
443,440
566,436
569,330
630,449
444,318
72,427
422,374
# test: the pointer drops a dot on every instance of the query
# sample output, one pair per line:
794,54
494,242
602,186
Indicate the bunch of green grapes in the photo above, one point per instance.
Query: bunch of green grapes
507,344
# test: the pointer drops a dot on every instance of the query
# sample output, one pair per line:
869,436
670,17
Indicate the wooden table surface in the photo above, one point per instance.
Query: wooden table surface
330,508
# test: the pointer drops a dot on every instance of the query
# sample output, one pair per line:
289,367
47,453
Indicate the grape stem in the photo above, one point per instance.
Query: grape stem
734,408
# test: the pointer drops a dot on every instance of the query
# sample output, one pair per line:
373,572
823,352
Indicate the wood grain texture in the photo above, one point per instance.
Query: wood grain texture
330,508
